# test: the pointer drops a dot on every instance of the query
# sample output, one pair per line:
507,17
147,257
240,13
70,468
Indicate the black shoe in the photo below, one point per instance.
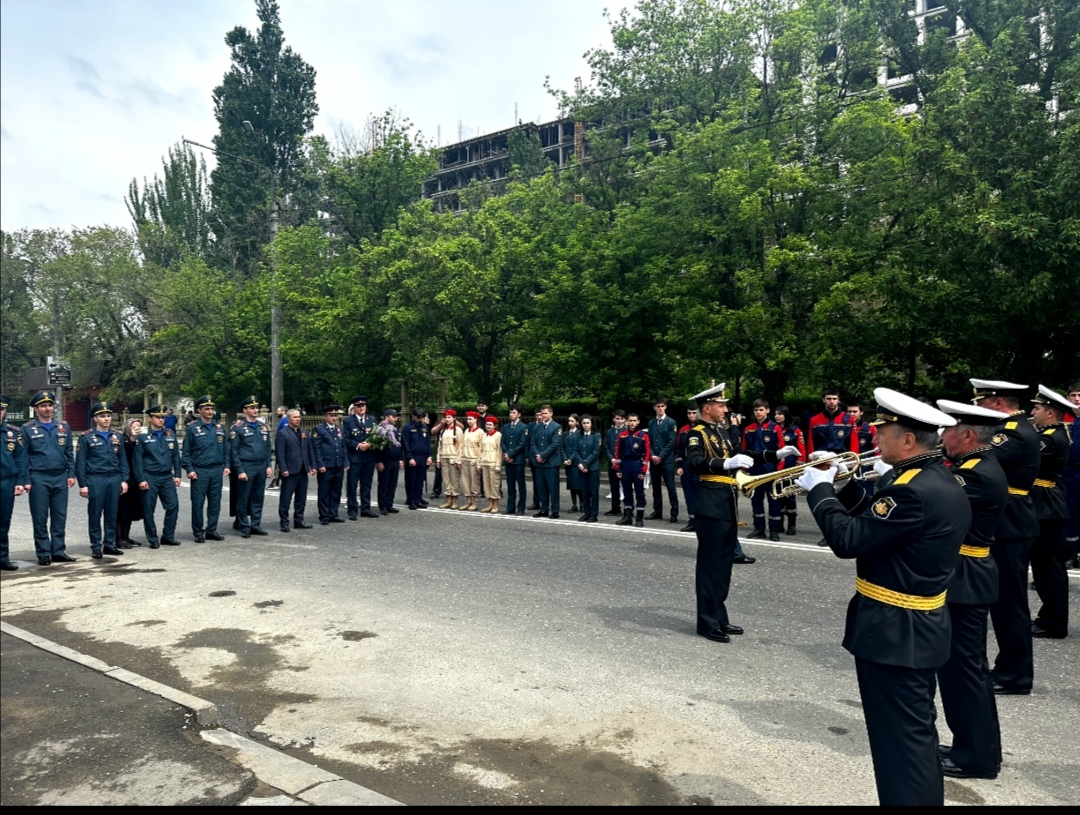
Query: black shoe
614,512
353,518
337,520
627,518
111,550
255,530
591,519
757,534
393,510
733,630
63,558
156,545
689,527
774,535
200,539
123,544
574,508
583,518
42,561
674,519
301,525
520,512
535,507
130,542
655,515
540,515
716,635
383,512
1010,690
324,523
214,536
169,542
791,529
284,529
640,520
554,515
823,542
8,566
745,559
435,495
412,506
245,533
951,770
96,555
423,505
368,515
1040,633
508,512
943,750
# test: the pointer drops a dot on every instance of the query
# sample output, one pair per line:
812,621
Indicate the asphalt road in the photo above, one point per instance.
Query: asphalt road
448,657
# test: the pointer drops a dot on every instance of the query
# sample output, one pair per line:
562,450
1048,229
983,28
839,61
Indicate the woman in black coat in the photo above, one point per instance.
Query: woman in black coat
131,507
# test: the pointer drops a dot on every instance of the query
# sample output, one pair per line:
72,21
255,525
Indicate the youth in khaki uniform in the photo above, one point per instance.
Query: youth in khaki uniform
491,463
470,460
449,461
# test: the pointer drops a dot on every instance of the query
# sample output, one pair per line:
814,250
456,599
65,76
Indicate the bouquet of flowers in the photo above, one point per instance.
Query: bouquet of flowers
377,440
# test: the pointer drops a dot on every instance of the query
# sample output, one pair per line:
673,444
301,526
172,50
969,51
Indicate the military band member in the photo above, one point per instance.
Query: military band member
713,456
296,461
633,457
545,443
662,435
515,449
905,541
1072,483
967,692
1048,494
102,472
157,472
51,462
205,459
331,461
356,428
416,453
250,459
1016,447
14,476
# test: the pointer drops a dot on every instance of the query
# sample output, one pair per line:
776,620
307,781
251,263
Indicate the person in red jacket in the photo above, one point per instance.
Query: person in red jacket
632,453
832,429
791,436
866,436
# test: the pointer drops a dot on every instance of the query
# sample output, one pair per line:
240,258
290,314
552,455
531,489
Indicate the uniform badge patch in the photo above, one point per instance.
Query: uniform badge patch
839,434
61,441
694,442
883,508
960,481
999,439
11,446
232,434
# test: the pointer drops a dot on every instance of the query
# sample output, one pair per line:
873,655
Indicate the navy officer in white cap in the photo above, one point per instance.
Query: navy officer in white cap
905,541
1048,494
967,692
1016,447
713,457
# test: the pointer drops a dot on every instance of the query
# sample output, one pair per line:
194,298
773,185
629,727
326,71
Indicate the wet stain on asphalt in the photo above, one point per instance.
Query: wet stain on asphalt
960,794
839,731
269,604
225,593
148,623
115,572
357,636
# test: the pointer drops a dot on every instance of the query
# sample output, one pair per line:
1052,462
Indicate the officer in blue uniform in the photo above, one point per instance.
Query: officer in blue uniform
633,456
51,461
663,432
14,478
515,450
250,458
388,462
611,438
205,459
102,472
545,445
760,435
296,461
157,472
416,449
356,428
587,463
331,460
905,542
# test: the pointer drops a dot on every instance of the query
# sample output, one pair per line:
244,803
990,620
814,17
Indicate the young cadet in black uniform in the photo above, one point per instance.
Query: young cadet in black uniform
51,461
249,455
905,542
331,460
205,459
1048,494
967,692
712,455
14,476
102,472
416,452
1016,447
157,472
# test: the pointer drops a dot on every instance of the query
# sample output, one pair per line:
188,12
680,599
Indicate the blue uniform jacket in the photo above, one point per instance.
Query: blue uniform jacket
100,456
611,438
545,441
355,430
570,444
156,455
515,441
13,465
328,443
249,444
204,447
588,451
416,442
662,435
757,438
49,451
294,451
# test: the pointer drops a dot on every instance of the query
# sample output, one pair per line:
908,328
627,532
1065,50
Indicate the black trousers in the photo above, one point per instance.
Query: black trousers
250,494
898,704
294,492
664,471
515,487
590,493
715,555
388,479
414,482
689,490
330,484
1011,616
1051,579
547,488
967,694
360,474
615,485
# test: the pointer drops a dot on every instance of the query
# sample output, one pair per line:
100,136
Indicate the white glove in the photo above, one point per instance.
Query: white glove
786,451
817,455
880,467
738,462
840,467
813,476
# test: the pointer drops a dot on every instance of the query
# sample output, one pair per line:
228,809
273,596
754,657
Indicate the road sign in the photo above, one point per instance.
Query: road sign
59,371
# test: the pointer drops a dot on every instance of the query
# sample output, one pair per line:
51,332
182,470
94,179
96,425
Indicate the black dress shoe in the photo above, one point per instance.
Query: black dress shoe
324,523
734,630
8,566
716,635
688,528
383,512
200,539
284,529
655,516
63,558
130,542
413,506
301,525
583,518
617,513
674,519
520,512
423,505
823,542
591,519
943,750
258,531
1040,633
96,555
337,520
553,515
353,518
123,545
155,544
111,550
169,542
757,534
214,536
393,510
368,515
43,561
951,770
1010,690
745,559
245,533
540,515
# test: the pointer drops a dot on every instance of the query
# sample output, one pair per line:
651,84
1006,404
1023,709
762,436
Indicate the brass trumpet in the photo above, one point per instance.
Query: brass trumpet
783,481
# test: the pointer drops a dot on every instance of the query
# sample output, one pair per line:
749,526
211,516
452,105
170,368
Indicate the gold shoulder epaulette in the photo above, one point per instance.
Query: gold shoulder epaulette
1010,425
967,465
904,478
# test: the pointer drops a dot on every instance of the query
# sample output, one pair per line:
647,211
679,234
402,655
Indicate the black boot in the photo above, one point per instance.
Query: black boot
614,511
640,518
627,518
791,525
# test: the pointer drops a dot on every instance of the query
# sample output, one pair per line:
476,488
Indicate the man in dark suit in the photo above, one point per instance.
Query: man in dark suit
663,432
545,446
296,461
515,448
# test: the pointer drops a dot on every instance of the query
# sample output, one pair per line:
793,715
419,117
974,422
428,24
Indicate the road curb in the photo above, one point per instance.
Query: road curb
292,776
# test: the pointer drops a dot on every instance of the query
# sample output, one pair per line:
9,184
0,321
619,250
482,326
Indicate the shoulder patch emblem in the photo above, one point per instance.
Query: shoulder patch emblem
960,481
883,508
694,441
232,434
999,439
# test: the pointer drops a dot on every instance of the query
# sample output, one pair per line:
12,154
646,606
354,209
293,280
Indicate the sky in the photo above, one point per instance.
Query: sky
94,92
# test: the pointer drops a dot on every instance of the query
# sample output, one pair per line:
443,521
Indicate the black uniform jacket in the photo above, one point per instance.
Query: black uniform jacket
707,445
1048,491
905,539
1016,447
975,581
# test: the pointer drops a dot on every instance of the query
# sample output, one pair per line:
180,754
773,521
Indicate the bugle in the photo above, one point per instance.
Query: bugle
782,482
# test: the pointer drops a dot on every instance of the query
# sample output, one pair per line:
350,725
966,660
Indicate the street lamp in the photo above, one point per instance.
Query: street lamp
277,386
